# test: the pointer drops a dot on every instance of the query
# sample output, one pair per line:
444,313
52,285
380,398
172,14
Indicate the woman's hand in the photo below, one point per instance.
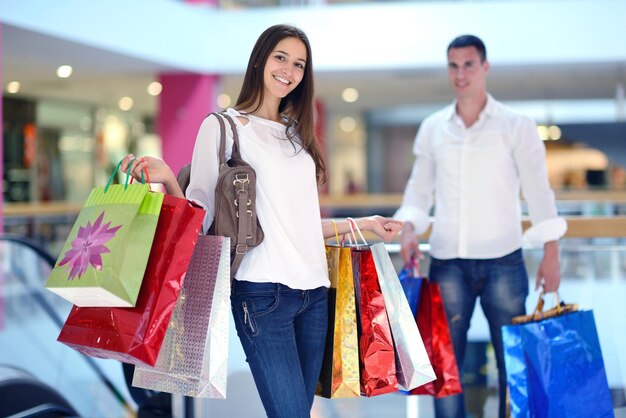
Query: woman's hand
157,171
383,227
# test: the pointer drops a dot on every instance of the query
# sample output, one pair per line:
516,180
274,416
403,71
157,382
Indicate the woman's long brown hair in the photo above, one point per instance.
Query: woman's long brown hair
297,105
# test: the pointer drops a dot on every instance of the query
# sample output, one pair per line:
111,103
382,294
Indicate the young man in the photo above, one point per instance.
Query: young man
472,159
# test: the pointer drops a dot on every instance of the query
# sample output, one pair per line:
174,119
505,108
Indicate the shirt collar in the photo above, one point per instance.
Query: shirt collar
491,109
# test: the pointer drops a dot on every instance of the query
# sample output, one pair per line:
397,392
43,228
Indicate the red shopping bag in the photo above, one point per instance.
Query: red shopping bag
433,326
134,335
376,352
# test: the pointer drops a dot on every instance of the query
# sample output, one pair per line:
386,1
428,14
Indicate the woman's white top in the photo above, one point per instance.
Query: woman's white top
292,252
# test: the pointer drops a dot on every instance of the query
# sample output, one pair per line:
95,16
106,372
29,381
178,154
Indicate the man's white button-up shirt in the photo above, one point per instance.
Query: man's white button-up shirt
473,176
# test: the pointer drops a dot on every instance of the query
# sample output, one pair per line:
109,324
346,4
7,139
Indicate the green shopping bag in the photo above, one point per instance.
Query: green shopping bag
102,263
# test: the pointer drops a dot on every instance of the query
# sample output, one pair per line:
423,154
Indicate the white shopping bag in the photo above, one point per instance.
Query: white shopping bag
194,356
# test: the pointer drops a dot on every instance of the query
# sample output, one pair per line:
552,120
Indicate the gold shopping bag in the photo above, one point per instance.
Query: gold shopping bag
339,377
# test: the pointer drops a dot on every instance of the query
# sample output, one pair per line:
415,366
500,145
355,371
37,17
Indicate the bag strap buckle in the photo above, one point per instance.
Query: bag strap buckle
240,180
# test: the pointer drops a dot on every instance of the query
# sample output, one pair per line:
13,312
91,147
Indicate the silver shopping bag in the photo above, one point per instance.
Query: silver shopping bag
194,356
412,363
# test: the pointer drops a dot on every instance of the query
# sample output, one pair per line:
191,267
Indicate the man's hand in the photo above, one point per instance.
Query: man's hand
549,273
409,244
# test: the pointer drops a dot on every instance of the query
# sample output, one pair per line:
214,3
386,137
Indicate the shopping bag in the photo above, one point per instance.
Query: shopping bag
194,356
411,281
134,335
376,352
555,368
412,363
103,261
339,376
433,325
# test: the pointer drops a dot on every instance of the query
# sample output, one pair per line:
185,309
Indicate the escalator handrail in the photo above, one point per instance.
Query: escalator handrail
44,409
30,243
49,310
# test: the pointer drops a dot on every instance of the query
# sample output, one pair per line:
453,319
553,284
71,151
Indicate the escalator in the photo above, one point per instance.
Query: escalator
23,395
58,380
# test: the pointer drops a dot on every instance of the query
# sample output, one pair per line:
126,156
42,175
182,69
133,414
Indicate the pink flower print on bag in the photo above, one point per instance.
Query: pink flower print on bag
88,246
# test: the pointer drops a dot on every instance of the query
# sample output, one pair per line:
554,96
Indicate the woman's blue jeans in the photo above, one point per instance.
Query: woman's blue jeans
283,332
502,286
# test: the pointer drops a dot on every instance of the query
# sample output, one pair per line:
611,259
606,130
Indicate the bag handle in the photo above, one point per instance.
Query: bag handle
347,236
126,182
540,304
235,153
414,264
147,176
336,232
539,313
222,137
353,227
560,306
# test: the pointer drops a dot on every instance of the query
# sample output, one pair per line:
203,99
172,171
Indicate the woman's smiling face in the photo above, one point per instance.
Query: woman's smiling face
284,68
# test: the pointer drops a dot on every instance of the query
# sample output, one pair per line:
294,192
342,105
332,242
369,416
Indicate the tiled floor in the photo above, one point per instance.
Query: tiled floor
243,401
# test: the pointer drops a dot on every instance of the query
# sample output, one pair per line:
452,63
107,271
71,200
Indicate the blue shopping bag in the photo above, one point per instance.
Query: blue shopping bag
554,368
411,281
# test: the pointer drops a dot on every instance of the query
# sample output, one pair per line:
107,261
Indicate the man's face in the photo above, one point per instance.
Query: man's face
466,72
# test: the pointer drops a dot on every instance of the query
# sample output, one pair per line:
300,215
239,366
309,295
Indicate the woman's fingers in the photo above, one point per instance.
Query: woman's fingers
125,162
137,167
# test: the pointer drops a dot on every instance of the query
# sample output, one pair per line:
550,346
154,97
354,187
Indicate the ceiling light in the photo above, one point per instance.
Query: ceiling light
554,132
125,103
13,87
155,88
347,124
64,71
223,100
85,123
350,95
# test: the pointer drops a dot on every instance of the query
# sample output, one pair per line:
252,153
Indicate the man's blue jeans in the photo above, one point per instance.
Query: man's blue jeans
283,332
502,286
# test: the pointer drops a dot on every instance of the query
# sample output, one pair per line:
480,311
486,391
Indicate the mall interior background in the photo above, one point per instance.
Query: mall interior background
145,72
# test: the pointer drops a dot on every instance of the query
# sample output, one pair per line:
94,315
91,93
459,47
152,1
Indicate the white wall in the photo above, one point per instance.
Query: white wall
344,37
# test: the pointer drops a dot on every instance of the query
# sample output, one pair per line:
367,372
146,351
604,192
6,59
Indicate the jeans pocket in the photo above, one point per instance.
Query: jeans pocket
255,306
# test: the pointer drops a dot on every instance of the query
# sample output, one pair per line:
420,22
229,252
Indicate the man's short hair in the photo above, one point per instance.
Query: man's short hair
464,41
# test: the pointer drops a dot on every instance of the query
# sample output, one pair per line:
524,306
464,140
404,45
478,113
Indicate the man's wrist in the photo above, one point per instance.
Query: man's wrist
551,247
408,228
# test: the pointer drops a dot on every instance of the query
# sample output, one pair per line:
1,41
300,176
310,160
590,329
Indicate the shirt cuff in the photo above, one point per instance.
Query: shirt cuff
419,219
544,231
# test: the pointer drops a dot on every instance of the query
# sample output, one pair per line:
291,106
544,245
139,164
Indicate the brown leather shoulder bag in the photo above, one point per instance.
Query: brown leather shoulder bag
235,198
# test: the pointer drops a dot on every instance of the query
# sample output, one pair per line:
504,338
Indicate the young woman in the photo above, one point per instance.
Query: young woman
279,295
